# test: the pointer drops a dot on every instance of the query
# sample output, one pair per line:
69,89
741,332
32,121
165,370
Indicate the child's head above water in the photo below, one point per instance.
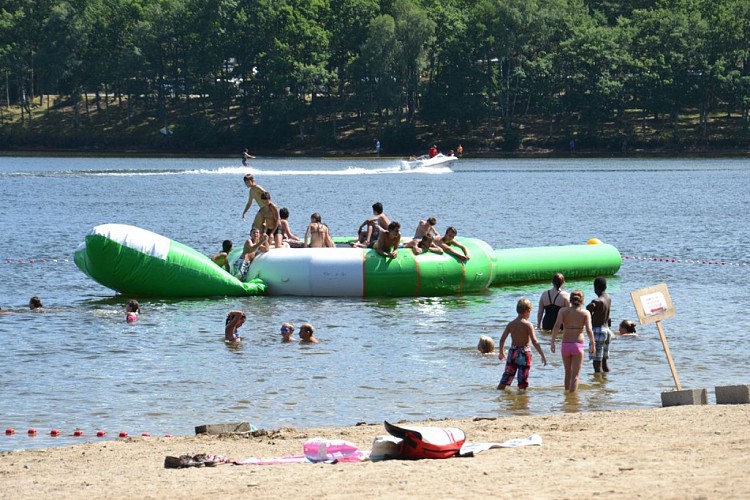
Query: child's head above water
486,345
627,327
306,333
287,330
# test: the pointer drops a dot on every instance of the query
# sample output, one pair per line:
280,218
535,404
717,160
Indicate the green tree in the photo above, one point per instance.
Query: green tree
377,87
669,49
413,30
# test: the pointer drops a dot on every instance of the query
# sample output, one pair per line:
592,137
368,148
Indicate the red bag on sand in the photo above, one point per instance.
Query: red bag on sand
427,442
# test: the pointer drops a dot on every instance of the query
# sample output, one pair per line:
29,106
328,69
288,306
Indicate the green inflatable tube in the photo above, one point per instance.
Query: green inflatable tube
137,262
516,265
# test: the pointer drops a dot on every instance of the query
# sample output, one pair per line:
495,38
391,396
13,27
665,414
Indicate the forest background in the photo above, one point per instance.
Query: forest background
334,76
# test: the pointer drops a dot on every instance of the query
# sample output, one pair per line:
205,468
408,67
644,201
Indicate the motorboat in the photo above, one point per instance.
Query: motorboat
426,161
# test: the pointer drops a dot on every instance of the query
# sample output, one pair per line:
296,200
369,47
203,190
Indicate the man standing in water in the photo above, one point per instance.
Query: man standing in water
255,194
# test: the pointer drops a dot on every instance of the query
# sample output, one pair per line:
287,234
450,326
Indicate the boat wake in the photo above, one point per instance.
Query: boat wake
265,172
395,169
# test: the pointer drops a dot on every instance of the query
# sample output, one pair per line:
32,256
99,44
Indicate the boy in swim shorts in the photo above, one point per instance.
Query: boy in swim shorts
600,322
522,336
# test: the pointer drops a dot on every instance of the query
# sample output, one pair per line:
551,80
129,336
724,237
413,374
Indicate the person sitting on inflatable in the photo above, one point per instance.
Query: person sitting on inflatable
388,240
369,230
221,258
254,246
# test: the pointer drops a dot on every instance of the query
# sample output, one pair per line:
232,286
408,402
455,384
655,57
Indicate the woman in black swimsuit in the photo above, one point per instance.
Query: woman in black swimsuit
551,302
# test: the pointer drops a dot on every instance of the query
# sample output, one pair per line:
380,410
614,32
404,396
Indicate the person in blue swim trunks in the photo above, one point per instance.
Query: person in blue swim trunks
601,322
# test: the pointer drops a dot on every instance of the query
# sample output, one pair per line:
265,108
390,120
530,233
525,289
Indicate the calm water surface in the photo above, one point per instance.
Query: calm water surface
78,364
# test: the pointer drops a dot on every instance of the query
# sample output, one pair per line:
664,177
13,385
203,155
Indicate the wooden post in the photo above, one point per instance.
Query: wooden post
677,384
652,305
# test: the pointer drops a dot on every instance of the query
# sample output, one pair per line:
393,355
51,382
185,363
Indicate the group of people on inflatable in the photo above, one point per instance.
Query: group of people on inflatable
270,229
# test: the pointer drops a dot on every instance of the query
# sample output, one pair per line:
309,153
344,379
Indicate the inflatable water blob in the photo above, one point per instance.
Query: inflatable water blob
137,262
123,258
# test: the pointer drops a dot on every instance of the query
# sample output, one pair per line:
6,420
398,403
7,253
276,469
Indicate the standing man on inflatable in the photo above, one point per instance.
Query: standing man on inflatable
255,194
271,219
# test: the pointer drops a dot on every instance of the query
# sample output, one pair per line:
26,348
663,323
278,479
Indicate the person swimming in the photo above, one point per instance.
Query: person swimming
627,329
486,345
132,310
35,303
235,319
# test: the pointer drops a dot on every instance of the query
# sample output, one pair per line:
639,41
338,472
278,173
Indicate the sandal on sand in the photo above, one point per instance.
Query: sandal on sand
181,462
205,460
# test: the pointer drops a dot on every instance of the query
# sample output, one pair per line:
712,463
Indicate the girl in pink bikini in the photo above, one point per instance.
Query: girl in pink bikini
573,321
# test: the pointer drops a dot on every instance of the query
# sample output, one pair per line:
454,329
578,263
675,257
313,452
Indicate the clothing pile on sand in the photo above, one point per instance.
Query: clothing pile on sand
402,443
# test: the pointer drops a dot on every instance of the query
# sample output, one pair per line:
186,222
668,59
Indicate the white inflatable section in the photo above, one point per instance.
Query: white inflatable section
318,272
136,238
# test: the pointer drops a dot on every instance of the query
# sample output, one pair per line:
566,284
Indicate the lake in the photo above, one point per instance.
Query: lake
78,364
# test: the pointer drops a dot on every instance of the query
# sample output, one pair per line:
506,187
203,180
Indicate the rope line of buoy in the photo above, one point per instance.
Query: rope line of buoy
686,261
32,432
34,261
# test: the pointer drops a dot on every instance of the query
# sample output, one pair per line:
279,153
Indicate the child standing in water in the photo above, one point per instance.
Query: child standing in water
522,336
132,310
600,322
235,319
573,320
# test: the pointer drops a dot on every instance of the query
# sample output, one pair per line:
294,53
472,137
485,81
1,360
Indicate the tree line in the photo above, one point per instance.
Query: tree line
268,73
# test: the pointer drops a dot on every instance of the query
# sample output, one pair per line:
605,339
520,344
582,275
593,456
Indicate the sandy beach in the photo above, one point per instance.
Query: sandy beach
678,452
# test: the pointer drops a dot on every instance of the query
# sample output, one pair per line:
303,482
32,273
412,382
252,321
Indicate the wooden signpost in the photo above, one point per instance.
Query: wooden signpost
652,305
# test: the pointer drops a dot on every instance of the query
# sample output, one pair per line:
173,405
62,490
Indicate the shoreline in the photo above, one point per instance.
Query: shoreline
676,452
369,155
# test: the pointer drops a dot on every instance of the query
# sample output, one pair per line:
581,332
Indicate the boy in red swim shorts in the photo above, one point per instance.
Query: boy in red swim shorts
522,336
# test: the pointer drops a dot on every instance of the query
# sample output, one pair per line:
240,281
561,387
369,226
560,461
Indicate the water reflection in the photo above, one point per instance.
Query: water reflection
515,402
571,402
